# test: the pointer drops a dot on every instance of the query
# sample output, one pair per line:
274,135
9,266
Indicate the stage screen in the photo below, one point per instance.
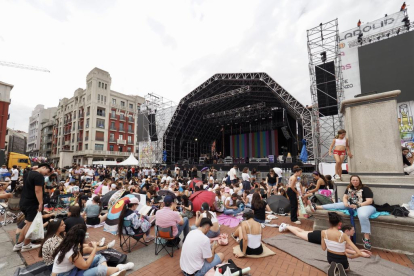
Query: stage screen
257,144
389,65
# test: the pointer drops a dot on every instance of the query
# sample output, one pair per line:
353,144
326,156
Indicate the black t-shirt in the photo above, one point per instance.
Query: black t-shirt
359,196
28,197
260,213
405,161
271,179
72,221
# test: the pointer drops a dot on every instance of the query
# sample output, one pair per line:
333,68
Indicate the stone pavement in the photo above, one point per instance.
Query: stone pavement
147,263
9,260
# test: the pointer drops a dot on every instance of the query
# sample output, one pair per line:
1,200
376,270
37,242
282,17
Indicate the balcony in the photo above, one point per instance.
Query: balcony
113,128
112,140
80,127
130,142
103,152
86,138
121,129
87,113
120,141
130,119
130,130
99,139
100,114
81,115
80,139
67,143
122,118
113,116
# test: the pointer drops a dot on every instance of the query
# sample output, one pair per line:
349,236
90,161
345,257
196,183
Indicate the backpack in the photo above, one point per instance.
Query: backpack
113,257
400,212
233,267
321,199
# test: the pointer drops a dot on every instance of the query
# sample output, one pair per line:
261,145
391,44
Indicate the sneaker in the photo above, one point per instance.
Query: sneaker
235,238
367,244
126,266
111,244
119,273
272,225
17,247
268,212
30,246
102,242
341,269
297,222
332,269
313,207
263,225
282,227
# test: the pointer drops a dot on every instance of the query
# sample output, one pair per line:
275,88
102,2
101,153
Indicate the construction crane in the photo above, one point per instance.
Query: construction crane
22,66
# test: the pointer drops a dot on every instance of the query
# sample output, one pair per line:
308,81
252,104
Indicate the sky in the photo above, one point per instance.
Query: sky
164,47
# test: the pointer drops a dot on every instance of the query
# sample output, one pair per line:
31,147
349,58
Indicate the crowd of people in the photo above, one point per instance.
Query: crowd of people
64,246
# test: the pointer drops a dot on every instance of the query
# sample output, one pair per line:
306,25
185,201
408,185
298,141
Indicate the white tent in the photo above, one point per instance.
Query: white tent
104,163
131,161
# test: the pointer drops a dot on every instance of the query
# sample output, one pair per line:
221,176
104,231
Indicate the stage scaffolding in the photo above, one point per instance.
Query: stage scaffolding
156,112
323,41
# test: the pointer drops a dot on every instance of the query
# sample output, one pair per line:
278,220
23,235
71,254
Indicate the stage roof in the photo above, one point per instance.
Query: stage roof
225,98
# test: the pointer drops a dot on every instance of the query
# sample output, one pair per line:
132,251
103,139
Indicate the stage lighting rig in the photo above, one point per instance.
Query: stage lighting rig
406,21
360,38
323,57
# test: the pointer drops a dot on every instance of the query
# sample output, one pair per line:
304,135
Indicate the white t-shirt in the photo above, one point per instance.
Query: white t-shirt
104,190
195,250
213,216
245,177
229,201
232,173
65,265
15,174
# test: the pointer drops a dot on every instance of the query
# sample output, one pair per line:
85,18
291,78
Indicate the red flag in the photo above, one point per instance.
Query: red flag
359,23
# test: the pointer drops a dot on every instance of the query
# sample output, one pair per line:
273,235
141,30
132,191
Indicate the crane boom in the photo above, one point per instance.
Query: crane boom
22,66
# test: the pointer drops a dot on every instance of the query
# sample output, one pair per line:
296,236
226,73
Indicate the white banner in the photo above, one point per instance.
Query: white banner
349,48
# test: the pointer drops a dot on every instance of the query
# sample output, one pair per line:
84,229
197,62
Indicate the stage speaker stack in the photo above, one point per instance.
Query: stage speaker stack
152,127
326,84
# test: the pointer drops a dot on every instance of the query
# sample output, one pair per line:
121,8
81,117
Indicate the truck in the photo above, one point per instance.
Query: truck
20,160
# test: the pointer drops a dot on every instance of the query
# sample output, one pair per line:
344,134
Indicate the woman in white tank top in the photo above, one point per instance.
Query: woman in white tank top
249,235
340,145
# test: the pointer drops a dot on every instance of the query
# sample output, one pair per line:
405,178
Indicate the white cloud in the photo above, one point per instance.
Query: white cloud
166,47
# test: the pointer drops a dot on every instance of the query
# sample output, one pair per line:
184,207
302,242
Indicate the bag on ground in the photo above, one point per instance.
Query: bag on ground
36,231
113,257
400,212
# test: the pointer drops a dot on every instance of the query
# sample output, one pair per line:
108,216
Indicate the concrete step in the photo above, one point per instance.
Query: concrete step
373,179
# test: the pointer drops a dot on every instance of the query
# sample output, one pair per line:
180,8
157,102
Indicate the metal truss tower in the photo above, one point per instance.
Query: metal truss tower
323,47
157,112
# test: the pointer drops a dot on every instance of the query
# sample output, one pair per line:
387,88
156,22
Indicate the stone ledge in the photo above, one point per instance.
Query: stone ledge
387,232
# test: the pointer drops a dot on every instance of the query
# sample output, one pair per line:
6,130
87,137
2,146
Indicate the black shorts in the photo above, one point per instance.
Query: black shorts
250,251
339,259
315,237
93,220
29,212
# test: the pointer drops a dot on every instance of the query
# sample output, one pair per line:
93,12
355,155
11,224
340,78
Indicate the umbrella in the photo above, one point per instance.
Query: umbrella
304,152
276,202
106,197
166,192
111,222
200,197
114,198
204,169
196,182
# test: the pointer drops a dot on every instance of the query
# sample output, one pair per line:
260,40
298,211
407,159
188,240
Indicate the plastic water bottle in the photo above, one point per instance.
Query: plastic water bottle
411,204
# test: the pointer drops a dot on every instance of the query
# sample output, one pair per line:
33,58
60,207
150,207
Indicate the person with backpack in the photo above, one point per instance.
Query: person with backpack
321,183
358,197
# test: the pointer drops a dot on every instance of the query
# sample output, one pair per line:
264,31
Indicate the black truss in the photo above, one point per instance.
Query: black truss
190,121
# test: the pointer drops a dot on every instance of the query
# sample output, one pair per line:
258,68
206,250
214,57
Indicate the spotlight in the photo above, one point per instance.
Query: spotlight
323,57
196,139
406,21
360,38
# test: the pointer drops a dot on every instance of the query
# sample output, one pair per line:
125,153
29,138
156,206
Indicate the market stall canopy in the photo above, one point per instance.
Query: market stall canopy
131,161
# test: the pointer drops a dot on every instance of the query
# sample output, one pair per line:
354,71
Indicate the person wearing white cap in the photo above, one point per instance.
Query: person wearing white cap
139,223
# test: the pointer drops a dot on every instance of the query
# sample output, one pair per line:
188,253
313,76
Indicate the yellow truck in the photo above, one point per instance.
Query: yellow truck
20,160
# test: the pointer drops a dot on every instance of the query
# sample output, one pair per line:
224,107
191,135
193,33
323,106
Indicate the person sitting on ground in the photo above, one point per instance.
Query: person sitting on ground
259,208
219,201
3,194
73,218
315,236
407,162
93,211
197,256
168,217
69,255
358,197
206,213
249,235
54,236
247,198
230,205
335,243
81,202
187,207
139,223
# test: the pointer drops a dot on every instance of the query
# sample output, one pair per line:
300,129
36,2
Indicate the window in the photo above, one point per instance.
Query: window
100,111
129,128
87,136
104,99
129,139
99,136
88,110
114,101
87,123
130,119
129,149
99,96
111,147
121,137
113,114
99,146
72,148
121,126
100,123
131,106
105,86
122,103
122,116
99,87
120,148
74,114
111,137
112,125
86,146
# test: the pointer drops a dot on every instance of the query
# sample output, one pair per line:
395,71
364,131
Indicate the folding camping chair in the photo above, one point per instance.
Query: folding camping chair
167,235
63,203
125,239
10,211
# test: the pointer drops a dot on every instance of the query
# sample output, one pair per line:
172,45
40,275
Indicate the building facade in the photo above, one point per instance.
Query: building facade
46,135
16,141
39,114
5,90
96,124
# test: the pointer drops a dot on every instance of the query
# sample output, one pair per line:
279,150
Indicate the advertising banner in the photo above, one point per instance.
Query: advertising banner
372,31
